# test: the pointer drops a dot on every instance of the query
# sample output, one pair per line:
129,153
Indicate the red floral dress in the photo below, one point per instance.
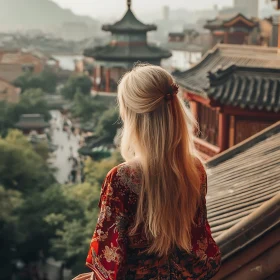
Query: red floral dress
114,254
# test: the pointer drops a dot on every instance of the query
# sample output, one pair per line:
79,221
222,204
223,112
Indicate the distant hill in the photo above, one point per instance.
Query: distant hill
37,14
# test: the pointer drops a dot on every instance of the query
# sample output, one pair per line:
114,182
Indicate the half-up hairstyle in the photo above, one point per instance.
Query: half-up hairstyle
158,130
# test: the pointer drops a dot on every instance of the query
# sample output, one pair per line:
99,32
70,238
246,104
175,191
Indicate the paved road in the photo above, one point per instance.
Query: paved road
62,154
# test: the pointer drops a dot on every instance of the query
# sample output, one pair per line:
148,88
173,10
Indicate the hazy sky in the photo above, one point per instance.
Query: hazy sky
114,8
98,8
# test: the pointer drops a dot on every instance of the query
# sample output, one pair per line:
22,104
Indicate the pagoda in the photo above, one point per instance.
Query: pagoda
128,45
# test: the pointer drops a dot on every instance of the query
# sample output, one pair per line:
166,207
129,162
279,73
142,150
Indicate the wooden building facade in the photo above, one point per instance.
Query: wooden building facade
234,92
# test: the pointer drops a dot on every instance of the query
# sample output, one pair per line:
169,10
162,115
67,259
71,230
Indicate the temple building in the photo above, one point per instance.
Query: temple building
128,45
32,122
240,30
234,92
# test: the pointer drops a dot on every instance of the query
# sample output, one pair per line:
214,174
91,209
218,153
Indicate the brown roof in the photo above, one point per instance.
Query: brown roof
19,58
227,22
240,181
222,56
10,72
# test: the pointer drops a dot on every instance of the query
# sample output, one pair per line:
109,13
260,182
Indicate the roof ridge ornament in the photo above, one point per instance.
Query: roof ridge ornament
129,3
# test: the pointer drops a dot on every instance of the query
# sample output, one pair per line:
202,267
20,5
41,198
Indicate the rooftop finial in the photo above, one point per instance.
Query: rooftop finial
128,4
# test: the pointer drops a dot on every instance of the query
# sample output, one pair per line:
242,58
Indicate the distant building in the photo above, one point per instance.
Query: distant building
275,40
128,45
239,30
9,92
234,92
185,53
32,122
28,61
10,72
13,63
166,12
249,7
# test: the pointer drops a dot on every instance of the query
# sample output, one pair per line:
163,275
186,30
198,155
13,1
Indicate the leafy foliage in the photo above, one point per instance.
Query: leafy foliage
108,124
46,81
81,83
86,107
73,236
21,166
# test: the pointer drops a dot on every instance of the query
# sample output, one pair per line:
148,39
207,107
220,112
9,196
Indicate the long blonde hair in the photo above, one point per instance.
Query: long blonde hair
159,133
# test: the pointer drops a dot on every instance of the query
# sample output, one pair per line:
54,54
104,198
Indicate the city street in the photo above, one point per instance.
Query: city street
66,148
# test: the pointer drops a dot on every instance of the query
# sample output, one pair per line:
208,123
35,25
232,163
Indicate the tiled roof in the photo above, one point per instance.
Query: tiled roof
32,121
226,22
10,72
128,53
20,58
242,179
196,79
246,87
177,34
129,23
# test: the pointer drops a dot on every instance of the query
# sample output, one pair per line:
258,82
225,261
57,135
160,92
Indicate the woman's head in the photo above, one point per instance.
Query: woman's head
158,130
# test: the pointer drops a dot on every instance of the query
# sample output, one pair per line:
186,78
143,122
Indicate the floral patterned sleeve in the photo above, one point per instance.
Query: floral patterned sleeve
107,253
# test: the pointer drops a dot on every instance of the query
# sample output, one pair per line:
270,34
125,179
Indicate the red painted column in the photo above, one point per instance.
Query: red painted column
223,139
107,73
194,110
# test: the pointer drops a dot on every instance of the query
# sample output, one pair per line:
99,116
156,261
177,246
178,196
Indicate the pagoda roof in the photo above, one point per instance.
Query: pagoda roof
32,121
127,53
257,59
219,22
251,87
129,23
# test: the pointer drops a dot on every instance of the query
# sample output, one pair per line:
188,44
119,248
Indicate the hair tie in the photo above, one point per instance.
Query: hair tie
174,89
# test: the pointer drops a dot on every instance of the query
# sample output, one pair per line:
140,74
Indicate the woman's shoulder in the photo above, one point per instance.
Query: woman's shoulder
128,174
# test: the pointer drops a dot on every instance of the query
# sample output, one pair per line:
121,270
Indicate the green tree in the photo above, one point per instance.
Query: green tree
10,201
108,124
86,107
46,81
21,168
73,235
81,83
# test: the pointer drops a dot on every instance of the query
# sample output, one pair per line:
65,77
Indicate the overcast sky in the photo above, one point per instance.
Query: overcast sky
113,8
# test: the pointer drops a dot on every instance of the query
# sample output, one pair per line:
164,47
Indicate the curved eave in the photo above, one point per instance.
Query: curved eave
131,29
129,23
112,53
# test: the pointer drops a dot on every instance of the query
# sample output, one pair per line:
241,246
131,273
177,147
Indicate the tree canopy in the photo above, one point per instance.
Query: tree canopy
80,83
46,81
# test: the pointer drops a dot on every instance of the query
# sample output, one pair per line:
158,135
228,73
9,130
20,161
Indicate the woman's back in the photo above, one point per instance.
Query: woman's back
115,253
